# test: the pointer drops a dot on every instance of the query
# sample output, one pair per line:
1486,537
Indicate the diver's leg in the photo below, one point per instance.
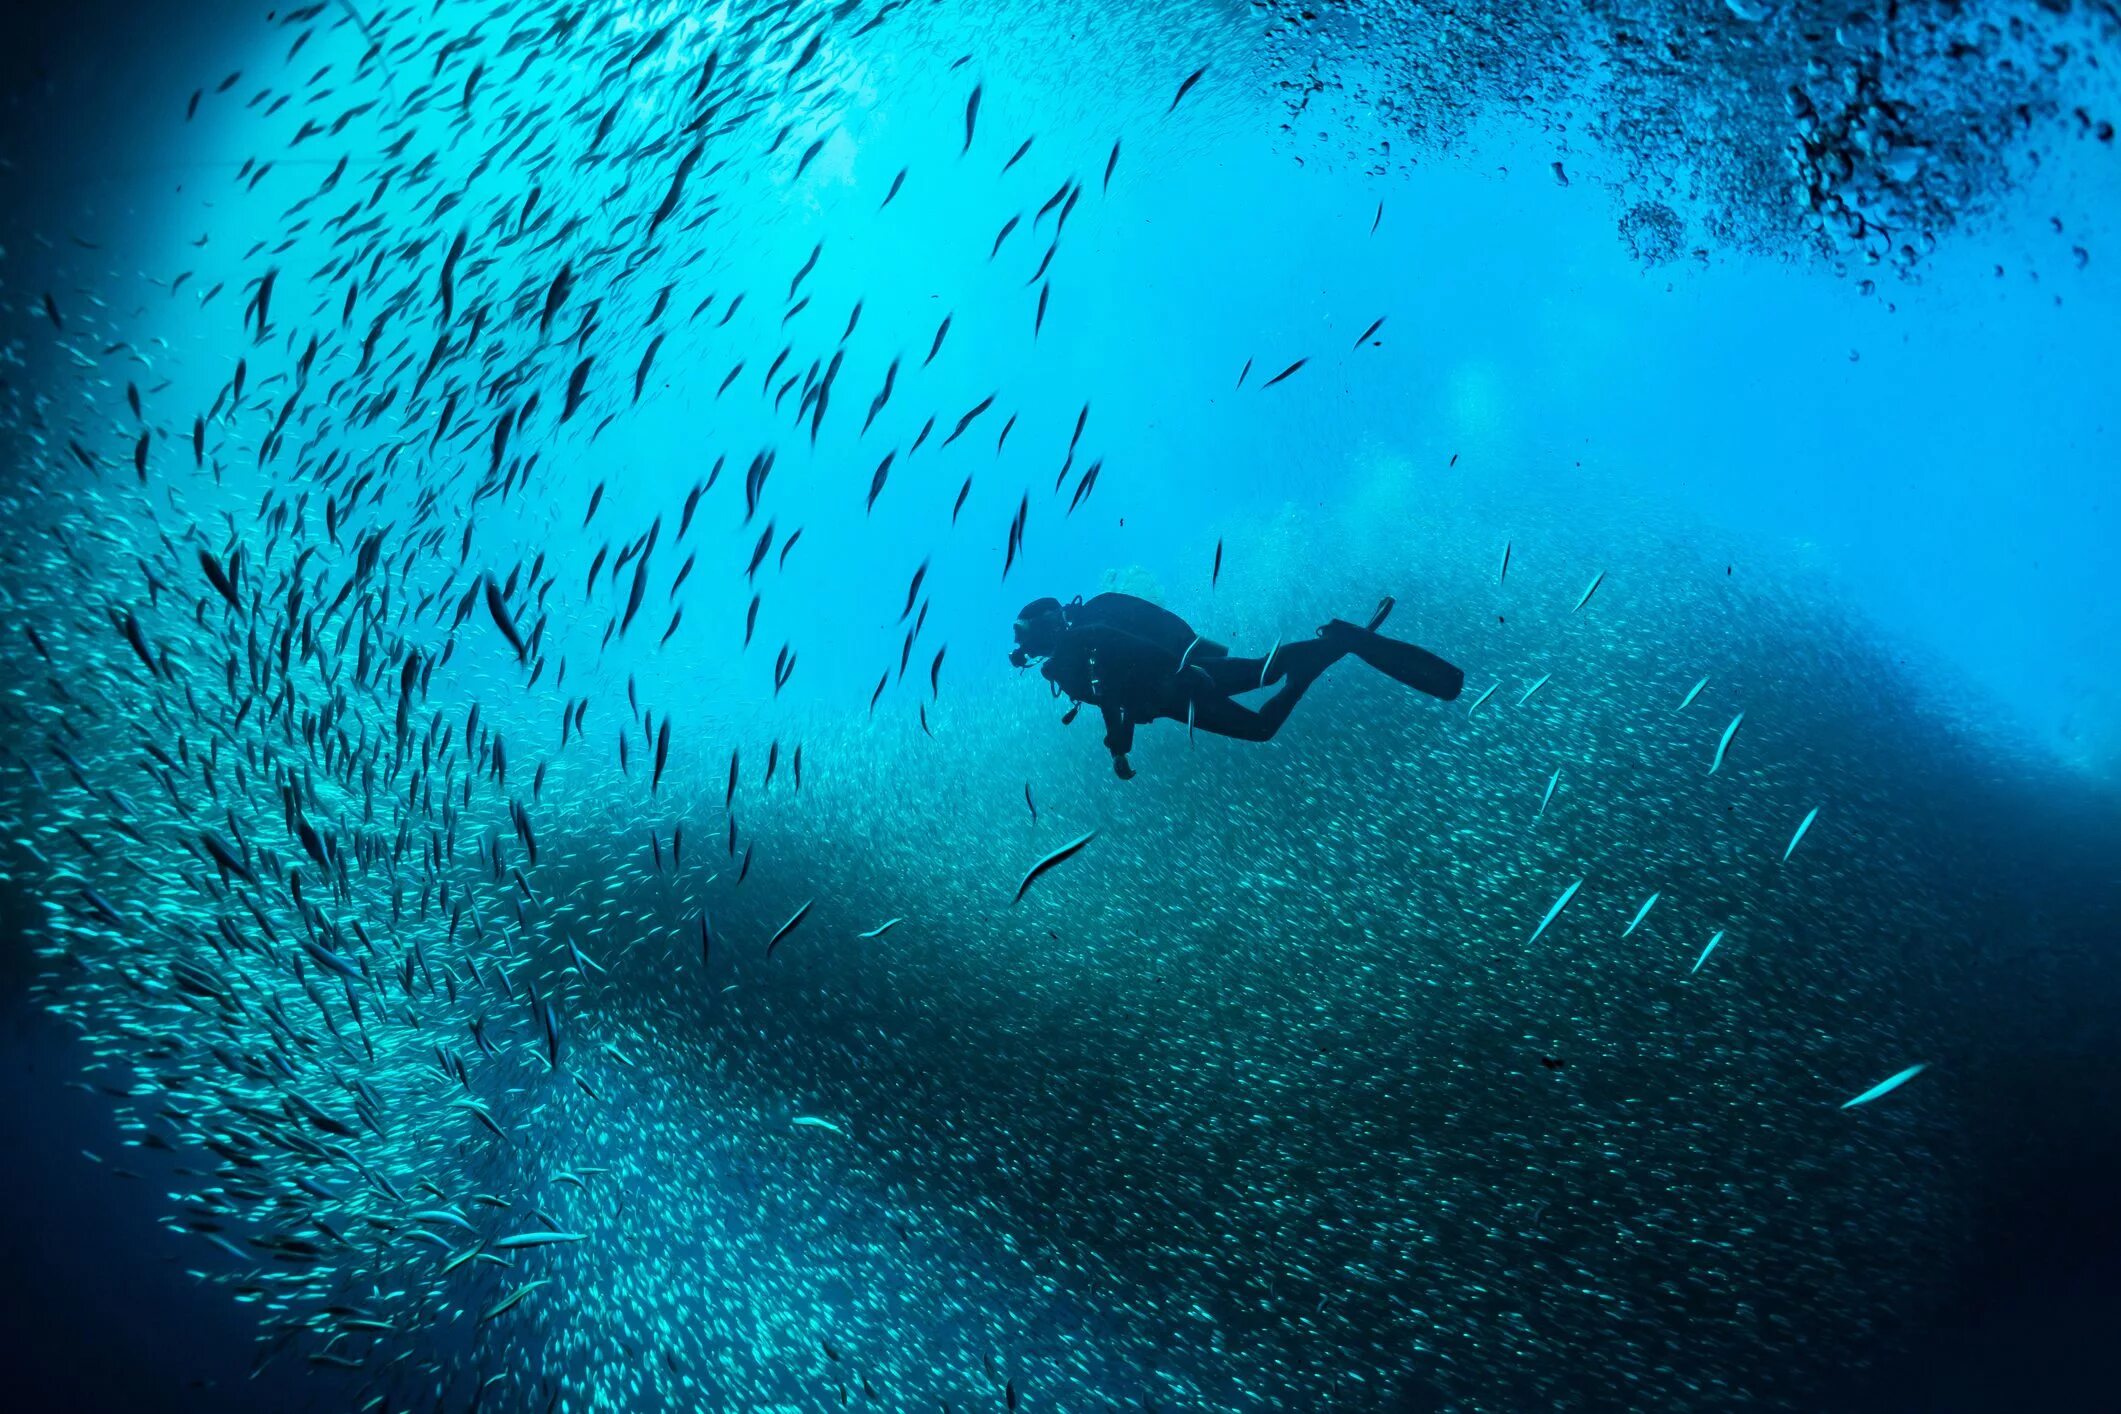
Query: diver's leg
1297,677
1306,658
1302,661
1219,715
1232,675
1295,665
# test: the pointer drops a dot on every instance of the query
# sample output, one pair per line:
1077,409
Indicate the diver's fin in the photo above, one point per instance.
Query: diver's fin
1418,668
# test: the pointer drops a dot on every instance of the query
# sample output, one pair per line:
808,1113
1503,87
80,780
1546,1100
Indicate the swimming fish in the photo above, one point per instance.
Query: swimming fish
1554,912
1888,1085
536,1239
1058,856
789,927
1725,744
1186,87
508,1302
1643,912
1802,826
1706,951
503,620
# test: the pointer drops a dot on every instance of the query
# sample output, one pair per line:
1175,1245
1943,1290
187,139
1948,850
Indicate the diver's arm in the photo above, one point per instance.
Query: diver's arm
1119,739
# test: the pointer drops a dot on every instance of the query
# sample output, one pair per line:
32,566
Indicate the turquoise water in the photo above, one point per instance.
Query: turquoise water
483,640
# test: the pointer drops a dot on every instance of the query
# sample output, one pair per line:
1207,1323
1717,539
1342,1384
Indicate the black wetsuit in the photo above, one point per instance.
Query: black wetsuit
1123,655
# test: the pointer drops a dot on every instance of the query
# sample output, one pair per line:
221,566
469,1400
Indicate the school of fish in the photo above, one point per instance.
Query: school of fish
519,1031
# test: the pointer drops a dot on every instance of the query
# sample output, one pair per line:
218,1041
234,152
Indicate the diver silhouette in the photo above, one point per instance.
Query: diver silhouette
1137,662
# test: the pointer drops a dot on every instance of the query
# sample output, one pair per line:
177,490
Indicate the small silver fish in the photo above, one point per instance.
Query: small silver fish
1554,912
1706,951
1644,911
1801,828
1888,1085
1725,744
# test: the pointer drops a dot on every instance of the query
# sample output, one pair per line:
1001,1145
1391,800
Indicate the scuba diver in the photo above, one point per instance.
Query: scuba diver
1137,662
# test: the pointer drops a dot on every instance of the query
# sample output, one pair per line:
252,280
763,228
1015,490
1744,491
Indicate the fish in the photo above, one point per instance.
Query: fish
882,928
967,419
1887,1086
512,1299
971,118
1058,856
1286,372
1504,573
913,590
520,1240
220,578
789,927
1724,745
1706,951
1554,912
1692,693
1186,87
1364,336
1552,781
1589,590
814,1122
808,265
1642,912
1802,826
1533,688
503,620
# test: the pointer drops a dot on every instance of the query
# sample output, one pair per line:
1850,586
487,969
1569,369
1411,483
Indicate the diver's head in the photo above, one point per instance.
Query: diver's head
1039,626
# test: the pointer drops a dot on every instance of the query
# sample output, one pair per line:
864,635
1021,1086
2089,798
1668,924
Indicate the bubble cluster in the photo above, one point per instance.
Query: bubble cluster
1855,134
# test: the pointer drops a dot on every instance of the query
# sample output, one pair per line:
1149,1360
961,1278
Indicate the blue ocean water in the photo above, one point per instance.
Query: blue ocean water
519,810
